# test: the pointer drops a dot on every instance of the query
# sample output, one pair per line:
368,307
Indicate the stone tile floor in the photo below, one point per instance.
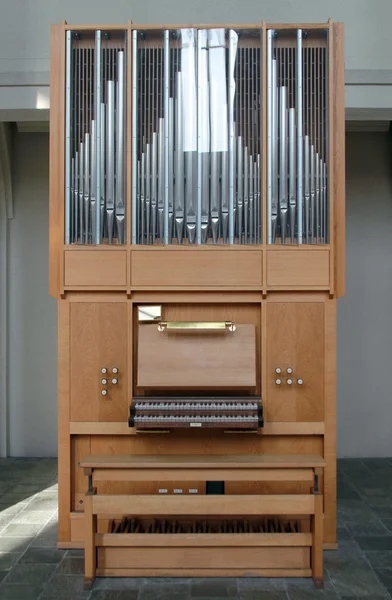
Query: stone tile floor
31,567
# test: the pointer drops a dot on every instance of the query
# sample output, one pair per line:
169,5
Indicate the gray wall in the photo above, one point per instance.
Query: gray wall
364,315
24,24
33,315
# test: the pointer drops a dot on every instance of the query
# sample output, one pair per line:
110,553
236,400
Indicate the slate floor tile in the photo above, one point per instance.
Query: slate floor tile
31,574
385,576
264,595
14,591
163,592
261,584
31,517
13,544
380,543
114,595
307,591
8,559
73,565
42,556
22,529
120,583
64,586
221,587
358,580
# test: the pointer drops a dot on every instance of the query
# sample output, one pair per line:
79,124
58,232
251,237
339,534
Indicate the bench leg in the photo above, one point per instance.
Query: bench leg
90,551
317,541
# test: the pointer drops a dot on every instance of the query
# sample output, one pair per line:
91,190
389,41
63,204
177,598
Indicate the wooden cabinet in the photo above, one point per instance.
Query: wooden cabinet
295,340
98,339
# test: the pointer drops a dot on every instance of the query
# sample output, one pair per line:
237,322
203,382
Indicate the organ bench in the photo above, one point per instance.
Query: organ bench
222,545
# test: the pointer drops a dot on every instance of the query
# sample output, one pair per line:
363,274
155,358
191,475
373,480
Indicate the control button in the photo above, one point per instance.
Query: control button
104,381
300,381
289,370
114,381
278,381
278,370
114,370
289,382
104,370
104,392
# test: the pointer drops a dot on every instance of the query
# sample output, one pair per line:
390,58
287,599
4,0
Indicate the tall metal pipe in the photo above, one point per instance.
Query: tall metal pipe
246,195
148,192
68,215
299,139
251,200
142,220
171,171
98,99
292,173
154,175
93,189
283,208
110,155
135,75
179,165
270,133
274,153
307,188
81,192
102,162
166,112
120,204
312,193
240,186
86,187
161,179
317,198
233,40
76,200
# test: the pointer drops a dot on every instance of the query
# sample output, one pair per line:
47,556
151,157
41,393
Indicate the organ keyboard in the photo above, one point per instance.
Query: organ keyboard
228,413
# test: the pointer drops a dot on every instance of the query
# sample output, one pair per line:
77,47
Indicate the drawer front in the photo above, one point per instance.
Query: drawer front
197,359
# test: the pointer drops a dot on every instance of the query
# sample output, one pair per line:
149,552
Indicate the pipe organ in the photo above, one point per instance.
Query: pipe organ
197,251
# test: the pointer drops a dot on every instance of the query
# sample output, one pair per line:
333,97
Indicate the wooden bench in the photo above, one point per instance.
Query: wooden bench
299,553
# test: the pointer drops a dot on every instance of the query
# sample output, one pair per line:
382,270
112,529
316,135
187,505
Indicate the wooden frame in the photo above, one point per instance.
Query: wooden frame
248,275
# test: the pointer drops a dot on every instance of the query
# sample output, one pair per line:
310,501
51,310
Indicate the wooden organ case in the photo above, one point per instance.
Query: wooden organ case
197,251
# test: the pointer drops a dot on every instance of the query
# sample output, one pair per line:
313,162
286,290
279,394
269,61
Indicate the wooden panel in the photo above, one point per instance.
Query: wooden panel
295,338
195,268
209,572
195,461
227,504
98,339
80,448
240,314
95,268
297,267
330,424
209,360
339,183
209,539
64,441
207,558
77,528
206,443
56,156
222,474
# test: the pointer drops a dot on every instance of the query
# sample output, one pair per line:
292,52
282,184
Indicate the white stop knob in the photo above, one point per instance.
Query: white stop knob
289,370
104,370
104,392
114,381
104,381
114,370
300,381
278,381
289,381
278,370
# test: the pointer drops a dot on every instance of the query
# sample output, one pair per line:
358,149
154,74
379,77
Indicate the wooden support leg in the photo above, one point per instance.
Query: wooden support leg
90,551
317,541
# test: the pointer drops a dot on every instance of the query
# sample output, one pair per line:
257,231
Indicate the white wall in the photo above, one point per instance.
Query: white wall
365,314
32,314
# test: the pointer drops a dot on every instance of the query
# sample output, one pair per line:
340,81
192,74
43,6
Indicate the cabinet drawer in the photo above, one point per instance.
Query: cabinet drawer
202,359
